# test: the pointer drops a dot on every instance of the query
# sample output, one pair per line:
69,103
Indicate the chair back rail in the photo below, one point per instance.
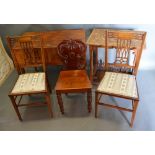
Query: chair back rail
127,56
26,56
72,54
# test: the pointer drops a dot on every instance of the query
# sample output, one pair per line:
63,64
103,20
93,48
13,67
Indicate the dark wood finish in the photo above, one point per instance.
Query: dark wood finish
73,81
72,54
30,60
124,44
98,39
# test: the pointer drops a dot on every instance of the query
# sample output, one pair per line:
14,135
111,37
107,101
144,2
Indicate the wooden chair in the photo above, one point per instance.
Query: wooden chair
120,76
29,83
28,57
74,78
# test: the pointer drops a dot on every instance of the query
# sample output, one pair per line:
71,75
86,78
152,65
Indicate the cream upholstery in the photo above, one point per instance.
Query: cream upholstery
30,82
6,64
119,84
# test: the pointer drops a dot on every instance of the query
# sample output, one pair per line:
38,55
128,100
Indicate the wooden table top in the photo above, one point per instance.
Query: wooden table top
97,37
55,37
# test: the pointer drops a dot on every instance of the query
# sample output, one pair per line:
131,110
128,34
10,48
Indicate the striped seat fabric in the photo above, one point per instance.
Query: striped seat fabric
30,82
119,84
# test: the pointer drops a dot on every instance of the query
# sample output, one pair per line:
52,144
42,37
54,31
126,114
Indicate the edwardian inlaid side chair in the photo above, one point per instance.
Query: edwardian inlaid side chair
29,83
34,62
120,76
73,79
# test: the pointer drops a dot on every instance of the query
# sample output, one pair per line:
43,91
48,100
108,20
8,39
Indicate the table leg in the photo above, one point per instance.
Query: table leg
95,64
96,49
91,63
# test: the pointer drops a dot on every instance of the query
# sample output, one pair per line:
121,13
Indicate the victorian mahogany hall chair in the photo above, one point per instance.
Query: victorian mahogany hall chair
73,78
120,76
29,83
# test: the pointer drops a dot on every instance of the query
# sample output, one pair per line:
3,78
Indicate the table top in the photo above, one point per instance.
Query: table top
53,38
97,37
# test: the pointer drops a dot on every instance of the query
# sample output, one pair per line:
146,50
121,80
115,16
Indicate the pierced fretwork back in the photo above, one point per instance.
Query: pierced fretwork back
72,54
31,55
128,48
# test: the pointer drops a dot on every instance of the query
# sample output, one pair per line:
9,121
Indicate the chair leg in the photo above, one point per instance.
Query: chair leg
60,102
89,100
96,103
48,100
135,105
15,107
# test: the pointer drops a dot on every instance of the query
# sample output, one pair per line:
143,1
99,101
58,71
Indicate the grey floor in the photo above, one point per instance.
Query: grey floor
76,116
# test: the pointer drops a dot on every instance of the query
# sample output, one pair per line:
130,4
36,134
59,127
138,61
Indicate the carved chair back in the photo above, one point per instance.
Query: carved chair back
32,56
28,56
25,55
128,49
72,54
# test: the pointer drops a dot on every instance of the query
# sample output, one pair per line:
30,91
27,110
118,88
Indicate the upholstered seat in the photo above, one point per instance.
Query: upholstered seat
120,76
119,84
29,82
